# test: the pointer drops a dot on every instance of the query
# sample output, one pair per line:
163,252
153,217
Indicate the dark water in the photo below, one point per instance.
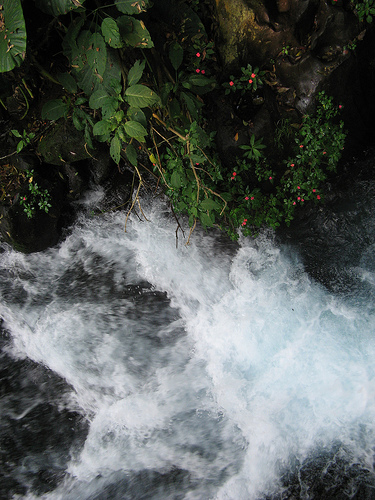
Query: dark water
134,370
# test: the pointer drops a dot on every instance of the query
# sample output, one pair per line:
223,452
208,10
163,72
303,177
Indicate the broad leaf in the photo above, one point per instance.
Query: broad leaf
89,80
191,105
131,154
110,107
55,109
132,6
68,82
79,119
98,98
209,204
176,55
134,32
141,96
137,115
12,35
135,72
103,127
97,54
58,7
88,136
115,149
111,33
206,220
134,129
176,180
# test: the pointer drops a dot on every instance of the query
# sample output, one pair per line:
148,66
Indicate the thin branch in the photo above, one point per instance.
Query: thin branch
184,138
191,231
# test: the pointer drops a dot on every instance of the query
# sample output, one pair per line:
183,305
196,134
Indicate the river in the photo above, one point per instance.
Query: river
135,368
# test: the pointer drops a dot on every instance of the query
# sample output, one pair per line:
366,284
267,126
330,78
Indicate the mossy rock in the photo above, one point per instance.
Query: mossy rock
63,144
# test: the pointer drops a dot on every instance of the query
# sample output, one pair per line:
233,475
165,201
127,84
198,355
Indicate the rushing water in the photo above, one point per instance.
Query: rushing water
132,369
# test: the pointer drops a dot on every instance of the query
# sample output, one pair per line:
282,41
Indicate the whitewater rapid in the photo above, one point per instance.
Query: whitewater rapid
214,370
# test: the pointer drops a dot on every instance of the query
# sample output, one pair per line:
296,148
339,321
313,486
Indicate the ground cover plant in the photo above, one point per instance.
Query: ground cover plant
148,106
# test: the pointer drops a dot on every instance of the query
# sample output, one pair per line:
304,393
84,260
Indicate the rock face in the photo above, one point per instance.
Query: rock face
306,46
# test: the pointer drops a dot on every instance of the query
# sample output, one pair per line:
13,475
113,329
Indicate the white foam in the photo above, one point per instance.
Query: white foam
262,367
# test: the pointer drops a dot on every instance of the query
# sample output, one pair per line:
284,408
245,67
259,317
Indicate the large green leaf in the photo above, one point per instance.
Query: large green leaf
135,72
131,154
55,109
58,7
134,32
140,96
176,55
68,82
132,6
102,128
98,98
111,33
12,35
90,81
97,54
137,115
134,129
115,149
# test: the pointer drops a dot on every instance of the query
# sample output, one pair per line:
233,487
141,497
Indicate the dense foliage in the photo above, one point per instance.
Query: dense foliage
149,104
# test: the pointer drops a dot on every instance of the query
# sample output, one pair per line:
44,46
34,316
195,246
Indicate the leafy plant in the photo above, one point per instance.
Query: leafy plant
285,50
365,10
272,196
36,199
250,80
25,139
253,150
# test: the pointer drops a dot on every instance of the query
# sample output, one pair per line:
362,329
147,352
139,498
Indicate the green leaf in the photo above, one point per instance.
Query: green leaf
102,127
16,133
20,146
89,80
88,136
134,129
12,35
176,180
131,154
115,149
134,32
191,105
135,72
98,98
181,205
97,54
79,119
55,109
132,6
137,115
206,220
199,80
58,7
111,33
141,96
209,204
68,82
110,107
176,55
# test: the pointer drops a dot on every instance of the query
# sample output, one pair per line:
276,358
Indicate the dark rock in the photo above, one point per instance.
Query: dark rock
63,144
